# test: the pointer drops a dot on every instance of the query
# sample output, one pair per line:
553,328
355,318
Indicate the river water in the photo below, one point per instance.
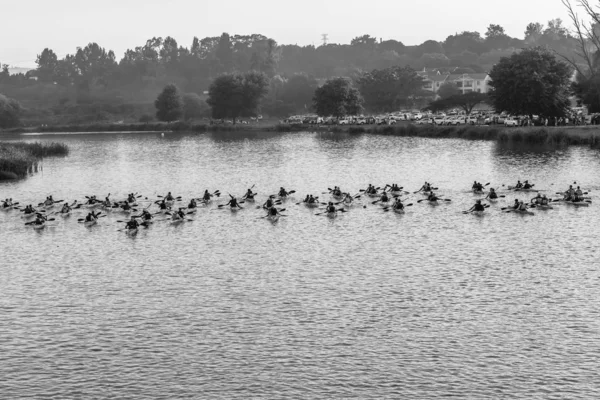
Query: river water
425,305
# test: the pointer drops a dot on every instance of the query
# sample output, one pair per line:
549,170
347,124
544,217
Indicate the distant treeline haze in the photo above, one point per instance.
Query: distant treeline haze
92,85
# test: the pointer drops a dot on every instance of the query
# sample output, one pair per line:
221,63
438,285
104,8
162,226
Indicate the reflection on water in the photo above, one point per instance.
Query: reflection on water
425,305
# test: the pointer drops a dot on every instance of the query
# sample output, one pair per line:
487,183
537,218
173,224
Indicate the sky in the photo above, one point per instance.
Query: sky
27,27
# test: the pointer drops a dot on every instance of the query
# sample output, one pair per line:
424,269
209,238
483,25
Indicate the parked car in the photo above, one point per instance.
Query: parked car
471,120
458,121
439,120
511,122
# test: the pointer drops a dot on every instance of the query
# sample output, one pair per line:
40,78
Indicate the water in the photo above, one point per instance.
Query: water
425,305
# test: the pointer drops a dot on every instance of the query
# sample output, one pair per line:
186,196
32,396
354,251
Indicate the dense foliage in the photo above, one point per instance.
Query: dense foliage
10,111
169,104
338,98
390,89
237,95
93,84
532,82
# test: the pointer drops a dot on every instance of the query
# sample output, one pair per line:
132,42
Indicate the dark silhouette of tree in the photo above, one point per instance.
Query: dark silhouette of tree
169,105
338,98
532,82
237,95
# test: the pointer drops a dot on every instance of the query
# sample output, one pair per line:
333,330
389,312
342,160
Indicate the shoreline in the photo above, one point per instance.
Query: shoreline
565,135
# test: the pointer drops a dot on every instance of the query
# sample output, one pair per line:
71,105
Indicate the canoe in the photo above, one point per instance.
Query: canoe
475,191
396,192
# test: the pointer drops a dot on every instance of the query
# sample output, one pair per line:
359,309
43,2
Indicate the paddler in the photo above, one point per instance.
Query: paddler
91,217
130,198
348,198
7,203
519,185
370,189
249,195
527,185
178,215
426,187
311,199
398,204
146,216
522,206
330,208
125,206
579,192
384,198
49,201
29,209
169,197
516,204
233,203
492,194
282,192
395,188
537,199
163,205
132,223
66,208
192,204
272,211
477,207
269,203
39,219
545,201
432,197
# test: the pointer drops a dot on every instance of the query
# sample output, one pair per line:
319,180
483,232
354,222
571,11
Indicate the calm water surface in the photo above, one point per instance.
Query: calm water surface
425,305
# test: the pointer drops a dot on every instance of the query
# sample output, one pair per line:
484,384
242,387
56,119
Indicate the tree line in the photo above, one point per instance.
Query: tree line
93,81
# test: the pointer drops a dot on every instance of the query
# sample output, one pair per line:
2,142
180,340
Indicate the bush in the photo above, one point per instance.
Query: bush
10,111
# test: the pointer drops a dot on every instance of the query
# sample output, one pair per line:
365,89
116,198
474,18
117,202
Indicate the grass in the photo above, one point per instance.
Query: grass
19,159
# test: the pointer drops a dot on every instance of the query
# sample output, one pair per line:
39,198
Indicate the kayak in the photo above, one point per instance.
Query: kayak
39,226
147,223
398,210
273,218
28,216
131,231
373,195
433,202
311,205
578,203
522,189
522,212
493,200
544,207
65,214
332,214
169,203
396,192
476,191
478,213
90,223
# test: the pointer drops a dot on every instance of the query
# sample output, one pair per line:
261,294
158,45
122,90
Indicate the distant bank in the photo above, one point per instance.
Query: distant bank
575,135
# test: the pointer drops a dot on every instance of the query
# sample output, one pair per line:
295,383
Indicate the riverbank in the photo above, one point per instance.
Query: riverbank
569,135
19,159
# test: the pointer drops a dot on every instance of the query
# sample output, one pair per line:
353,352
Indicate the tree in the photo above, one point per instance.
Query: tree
466,101
389,89
10,111
193,106
47,64
338,98
169,105
587,57
364,40
448,89
224,52
237,95
533,32
496,38
531,82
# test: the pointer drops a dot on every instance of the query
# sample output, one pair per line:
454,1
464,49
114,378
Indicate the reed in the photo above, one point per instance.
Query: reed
19,159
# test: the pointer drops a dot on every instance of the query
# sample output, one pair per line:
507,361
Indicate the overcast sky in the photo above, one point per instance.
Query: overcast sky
28,26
